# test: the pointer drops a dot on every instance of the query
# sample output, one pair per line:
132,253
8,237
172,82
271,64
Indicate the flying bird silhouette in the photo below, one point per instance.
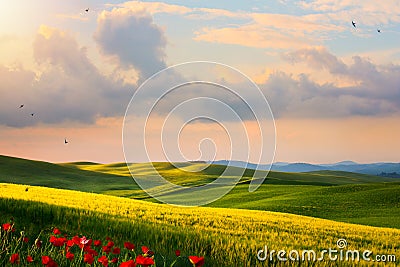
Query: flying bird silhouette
354,24
21,106
32,114
65,141
87,9
378,30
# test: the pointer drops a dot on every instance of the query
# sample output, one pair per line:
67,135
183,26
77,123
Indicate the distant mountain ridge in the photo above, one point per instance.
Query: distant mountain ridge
381,168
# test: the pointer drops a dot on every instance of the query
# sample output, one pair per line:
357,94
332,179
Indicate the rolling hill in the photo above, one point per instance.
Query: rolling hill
196,231
375,204
30,172
334,195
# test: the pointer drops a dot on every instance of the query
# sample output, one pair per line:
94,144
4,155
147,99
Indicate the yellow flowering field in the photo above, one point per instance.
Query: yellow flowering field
224,235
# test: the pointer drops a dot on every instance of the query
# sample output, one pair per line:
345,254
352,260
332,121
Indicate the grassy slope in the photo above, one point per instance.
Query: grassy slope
376,204
29,172
354,197
203,231
334,195
197,174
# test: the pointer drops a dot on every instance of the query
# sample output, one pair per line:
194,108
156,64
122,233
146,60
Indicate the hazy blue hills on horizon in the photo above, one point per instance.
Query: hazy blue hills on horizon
385,169
382,169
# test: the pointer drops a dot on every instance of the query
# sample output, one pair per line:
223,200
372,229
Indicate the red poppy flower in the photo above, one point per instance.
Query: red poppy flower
103,260
116,251
144,261
106,249
177,252
114,260
196,261
70,243
46,260
147,252
14,259
57,241
129,263
52,264
97,243
38,243
145,249
77,240
49,262
108,238
25,239
69,256
91,251
110,244
8,227
129,245
56,231
29,259
88,258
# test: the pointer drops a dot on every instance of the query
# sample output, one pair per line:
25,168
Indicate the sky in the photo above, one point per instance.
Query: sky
333,89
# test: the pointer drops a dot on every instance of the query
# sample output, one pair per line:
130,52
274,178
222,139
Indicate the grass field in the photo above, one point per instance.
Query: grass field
228,233
227,237
22,171
376,204
187,174
340,196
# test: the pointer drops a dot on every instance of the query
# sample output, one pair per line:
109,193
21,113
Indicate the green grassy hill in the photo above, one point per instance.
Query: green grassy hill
376,204
30,172
199,173
340,196
226,237
334,195
95,177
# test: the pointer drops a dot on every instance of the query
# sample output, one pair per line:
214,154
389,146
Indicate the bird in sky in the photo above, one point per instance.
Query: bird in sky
354,24
378,30
32,114
65,141
87,9
21,106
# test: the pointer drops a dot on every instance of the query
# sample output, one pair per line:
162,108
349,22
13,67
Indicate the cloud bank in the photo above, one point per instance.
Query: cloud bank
132,37
376,91
69,87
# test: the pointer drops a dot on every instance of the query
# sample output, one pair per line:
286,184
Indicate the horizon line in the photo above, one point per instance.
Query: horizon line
205,161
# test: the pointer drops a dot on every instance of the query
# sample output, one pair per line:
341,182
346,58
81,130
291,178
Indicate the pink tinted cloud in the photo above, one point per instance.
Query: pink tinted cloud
251,36
69,86
277,31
